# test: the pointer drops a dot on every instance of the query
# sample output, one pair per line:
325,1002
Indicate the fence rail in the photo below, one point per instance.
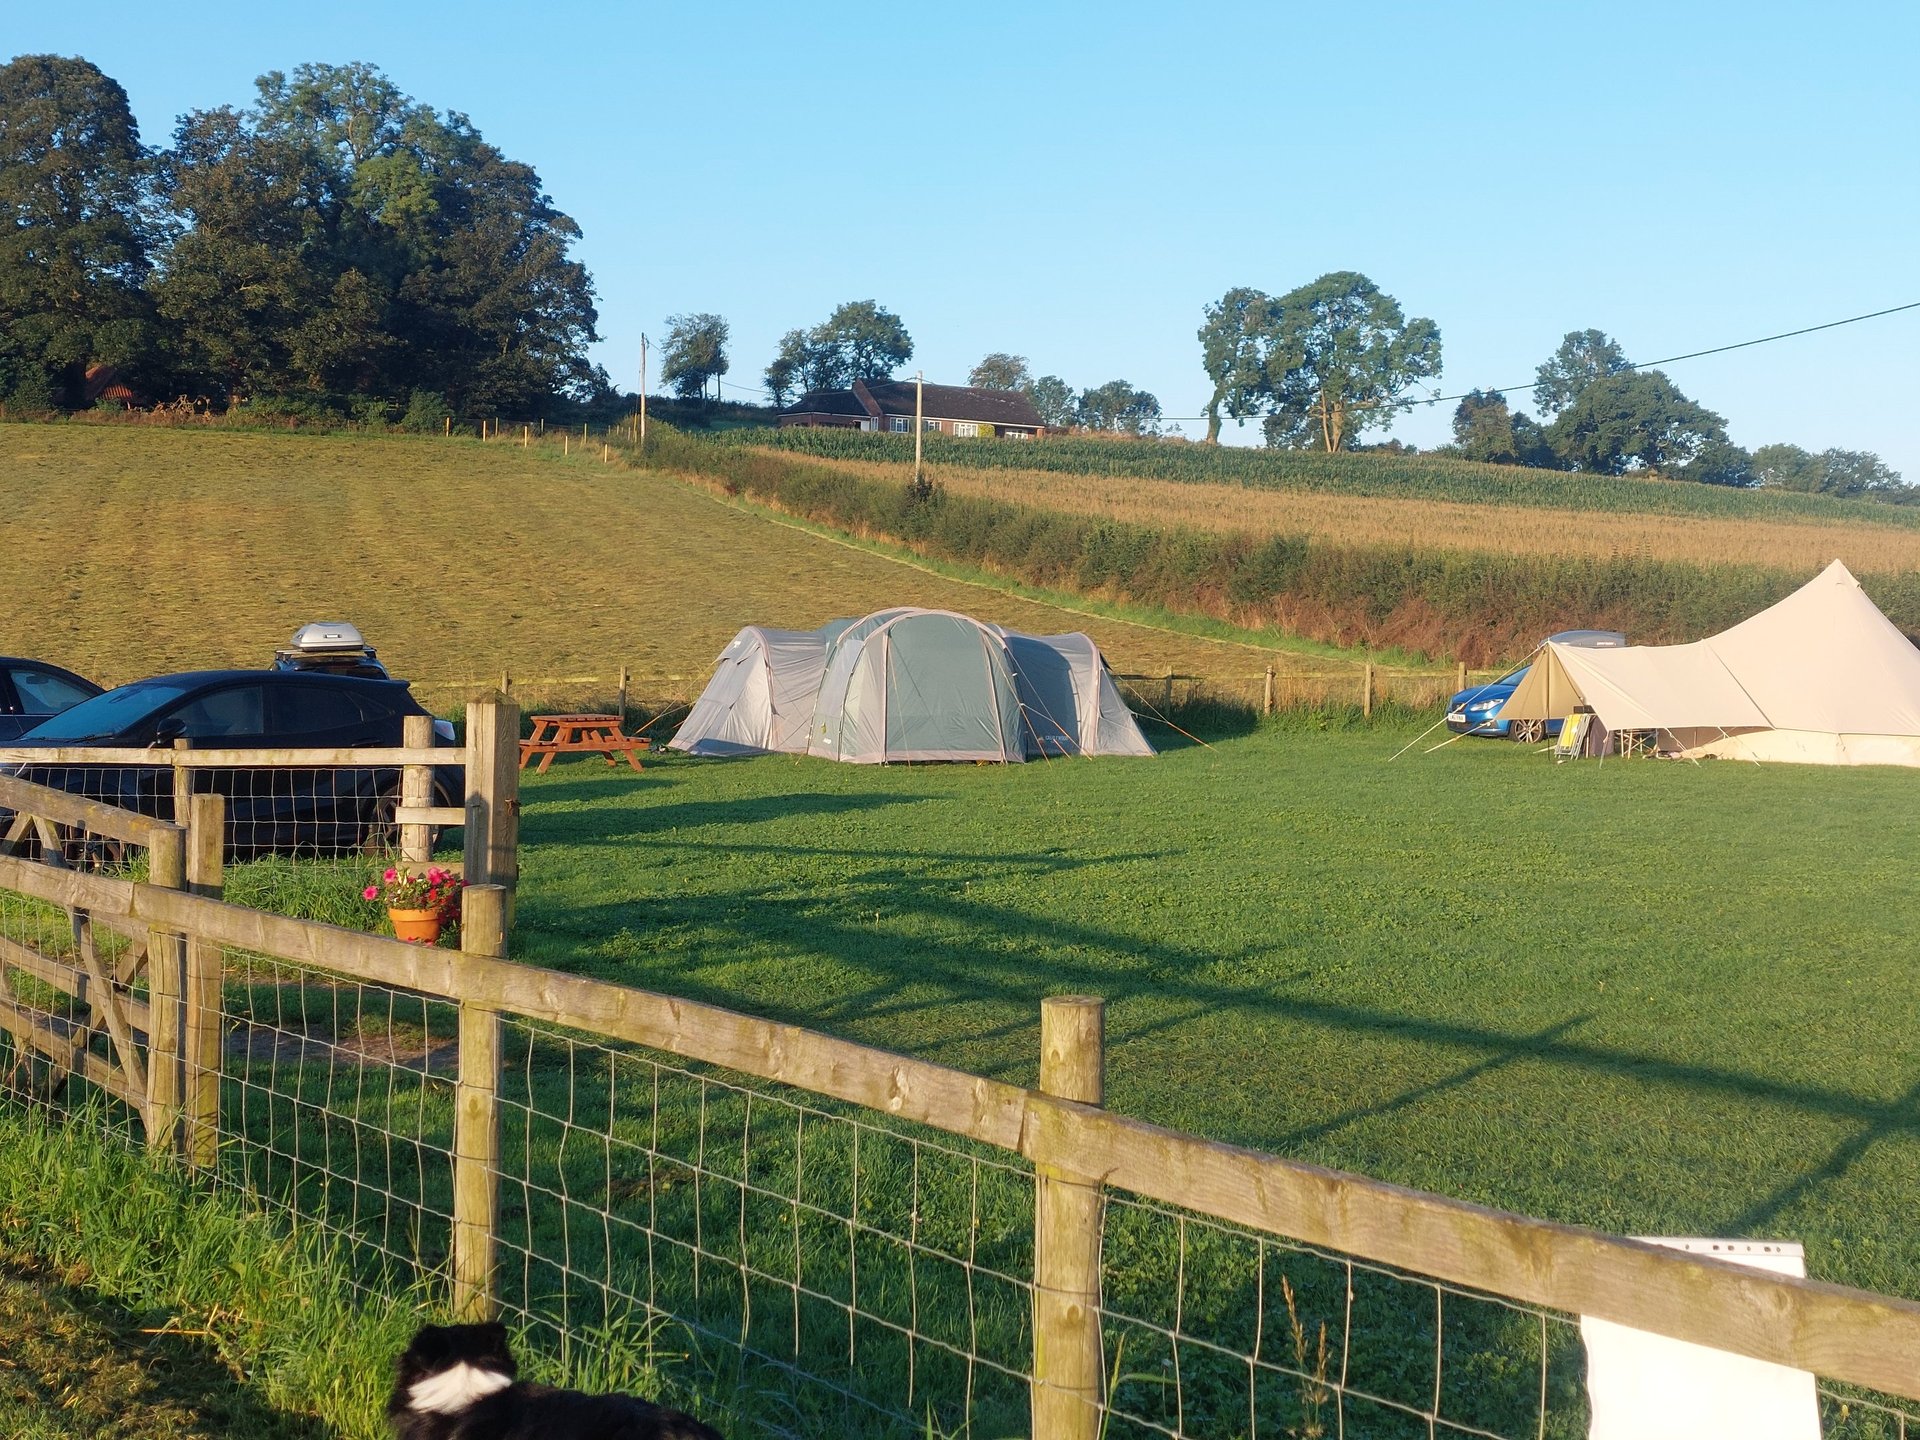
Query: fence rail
566,1149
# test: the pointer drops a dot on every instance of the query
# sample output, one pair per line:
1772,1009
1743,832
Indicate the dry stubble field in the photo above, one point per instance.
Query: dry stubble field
132,551
1774,544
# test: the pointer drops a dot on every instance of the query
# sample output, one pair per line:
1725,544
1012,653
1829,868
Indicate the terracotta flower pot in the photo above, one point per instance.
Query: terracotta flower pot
420,926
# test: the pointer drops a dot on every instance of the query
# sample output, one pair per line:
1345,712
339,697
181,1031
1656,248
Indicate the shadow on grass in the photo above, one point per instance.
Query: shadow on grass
74,1364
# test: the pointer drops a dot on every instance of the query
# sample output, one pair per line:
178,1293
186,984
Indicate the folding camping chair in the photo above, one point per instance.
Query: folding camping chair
1571,743
1647,1387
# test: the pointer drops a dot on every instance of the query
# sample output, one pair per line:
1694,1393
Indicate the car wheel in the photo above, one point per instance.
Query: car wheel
382,833
1527,732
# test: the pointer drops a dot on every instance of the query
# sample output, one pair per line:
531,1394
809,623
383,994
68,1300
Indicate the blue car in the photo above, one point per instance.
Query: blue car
1472,711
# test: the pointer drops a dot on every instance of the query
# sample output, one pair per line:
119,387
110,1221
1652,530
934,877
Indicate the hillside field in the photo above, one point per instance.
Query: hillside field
140,550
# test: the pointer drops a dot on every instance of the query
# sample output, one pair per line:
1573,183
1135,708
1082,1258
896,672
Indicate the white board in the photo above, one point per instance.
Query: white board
1647,1387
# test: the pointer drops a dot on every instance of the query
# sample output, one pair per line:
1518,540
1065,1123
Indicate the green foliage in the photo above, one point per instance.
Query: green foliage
1485,428
76,227
1324,363
1636,419
1831,472
696,352
1055,401
859,341
1000,371
1117,406
427,413
1583,357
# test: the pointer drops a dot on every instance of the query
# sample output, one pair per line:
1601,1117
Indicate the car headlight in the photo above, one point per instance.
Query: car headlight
1480,707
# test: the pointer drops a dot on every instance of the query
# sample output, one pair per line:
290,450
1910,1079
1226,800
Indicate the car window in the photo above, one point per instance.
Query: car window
42,693
236,713
111,714
312,709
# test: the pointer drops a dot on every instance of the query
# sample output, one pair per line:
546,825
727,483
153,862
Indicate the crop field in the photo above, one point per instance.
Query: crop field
1646,996
1424,477
1769,541
135,551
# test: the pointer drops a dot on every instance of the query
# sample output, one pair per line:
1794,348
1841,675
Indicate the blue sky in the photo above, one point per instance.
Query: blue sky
1073,182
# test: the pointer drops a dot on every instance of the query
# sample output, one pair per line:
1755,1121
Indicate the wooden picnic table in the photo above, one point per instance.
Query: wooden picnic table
579,735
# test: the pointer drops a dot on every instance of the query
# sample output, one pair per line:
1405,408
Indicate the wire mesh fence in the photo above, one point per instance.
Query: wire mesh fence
311,811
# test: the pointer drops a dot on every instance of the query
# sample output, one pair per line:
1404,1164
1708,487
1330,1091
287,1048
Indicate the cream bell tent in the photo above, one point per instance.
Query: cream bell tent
910,684
1822,678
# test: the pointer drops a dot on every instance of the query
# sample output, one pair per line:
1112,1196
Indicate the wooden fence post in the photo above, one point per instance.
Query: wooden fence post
416,790
1459,675
1068,1359
206,857
182,785
166,985
476,1117
1366,692
623,699
493,796
1266,700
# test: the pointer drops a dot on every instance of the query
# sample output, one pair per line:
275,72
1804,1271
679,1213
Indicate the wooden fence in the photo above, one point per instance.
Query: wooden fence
1079,1152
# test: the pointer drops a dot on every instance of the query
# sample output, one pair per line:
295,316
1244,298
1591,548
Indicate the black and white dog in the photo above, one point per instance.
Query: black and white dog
457,1382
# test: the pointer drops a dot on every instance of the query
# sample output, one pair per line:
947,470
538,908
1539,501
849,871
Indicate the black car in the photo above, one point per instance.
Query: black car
270,810
32,690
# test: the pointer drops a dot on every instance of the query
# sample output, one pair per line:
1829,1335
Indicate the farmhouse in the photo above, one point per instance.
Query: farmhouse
889,405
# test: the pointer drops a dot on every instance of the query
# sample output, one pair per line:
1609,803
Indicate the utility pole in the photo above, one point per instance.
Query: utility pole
643,394
919,429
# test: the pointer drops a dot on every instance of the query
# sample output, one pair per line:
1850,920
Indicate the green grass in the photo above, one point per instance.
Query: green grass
1643,996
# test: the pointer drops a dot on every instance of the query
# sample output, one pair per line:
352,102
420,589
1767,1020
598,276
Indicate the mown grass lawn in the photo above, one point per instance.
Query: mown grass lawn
1650,997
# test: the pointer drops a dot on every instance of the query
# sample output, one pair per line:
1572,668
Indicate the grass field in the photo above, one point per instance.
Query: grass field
1648,997
1791,542
144,550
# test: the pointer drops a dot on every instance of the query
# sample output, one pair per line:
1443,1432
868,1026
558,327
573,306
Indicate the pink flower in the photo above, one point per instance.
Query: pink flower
391,876
372,892
435,875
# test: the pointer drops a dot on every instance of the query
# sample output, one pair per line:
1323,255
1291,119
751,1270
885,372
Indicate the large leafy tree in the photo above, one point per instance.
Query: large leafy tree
1584,356
1634,420
696,353
1323,363
1486,428
859,341
1119,407
76,227
1055,401
1831,472
345,238
1000,371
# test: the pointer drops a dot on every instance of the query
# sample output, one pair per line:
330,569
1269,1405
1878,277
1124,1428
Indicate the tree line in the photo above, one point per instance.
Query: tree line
333,245
1322,364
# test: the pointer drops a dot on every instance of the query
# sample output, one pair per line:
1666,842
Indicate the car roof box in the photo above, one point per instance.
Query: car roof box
329,637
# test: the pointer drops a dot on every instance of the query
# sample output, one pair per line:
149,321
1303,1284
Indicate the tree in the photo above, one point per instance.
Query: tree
1235,340
1831,472
1118,407
1583,357
1325,362
1000,371
76,226
343,238
696,352
1054,399
1486,428
1720,462
1635,419
859,341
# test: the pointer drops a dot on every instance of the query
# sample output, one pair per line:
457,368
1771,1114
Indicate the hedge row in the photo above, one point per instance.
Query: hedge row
1474,607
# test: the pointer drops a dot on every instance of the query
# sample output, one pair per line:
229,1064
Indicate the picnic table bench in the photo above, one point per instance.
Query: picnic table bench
579,735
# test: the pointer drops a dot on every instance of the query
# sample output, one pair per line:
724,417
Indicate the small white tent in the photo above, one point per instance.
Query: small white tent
1822,678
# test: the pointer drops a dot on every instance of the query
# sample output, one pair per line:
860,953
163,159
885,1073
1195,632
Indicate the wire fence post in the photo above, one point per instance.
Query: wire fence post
493,796
1266,699
416,790
1459,675
182,783
206,858
1068,1359
476,1117
166,982
1366,692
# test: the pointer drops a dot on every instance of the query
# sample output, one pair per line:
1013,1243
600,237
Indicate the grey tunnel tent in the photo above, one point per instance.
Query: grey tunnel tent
910,685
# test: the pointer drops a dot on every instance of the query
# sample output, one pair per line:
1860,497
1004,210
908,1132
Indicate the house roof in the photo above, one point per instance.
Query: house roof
877,398
953,402
827,402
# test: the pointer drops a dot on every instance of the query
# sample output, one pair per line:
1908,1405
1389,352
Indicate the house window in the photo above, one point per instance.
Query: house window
866,425
932,424
900,425
1018,434
965,427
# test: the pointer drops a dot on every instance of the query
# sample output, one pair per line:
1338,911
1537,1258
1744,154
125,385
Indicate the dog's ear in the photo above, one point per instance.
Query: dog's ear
493,1335
430,1344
